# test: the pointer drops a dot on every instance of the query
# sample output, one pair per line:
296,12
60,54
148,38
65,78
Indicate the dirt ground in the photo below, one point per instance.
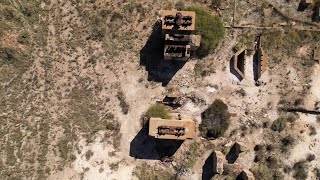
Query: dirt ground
73,94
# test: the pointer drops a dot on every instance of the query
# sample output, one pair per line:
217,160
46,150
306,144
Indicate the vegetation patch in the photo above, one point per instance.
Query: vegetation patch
89,154
215,120
279,124
210,28
123,103
145,171
262,171
287,142
158,110
300,170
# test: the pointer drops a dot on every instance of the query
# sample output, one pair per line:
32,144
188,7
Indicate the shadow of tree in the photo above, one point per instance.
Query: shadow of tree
151,56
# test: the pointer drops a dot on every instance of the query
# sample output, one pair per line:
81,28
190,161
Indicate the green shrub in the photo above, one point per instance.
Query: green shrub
215,120
287,143
279,124
264,172
317,172
313,131
158,110
300,170
89,154
23,38
112,126
311,157
210,28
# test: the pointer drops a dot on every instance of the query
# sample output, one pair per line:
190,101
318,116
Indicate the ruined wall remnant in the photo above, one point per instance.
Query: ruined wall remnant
218,160
236,149
177,28
316,54
260,60
239,62
245,175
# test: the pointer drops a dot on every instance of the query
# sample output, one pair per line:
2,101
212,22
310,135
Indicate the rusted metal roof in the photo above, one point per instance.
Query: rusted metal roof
172,129
178,20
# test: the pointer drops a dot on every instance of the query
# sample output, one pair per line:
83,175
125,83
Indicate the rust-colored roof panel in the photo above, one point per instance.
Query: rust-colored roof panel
172,129
173,13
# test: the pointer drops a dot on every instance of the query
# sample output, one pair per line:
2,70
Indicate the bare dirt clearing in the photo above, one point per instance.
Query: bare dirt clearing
73,89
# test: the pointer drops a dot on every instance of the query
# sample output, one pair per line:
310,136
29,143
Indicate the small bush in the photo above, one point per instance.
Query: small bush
210,28
300,170
279,124
317,172
215,3
287,169
89,154
180,5
158,110
258,157
215,120
112,126
23,38
262,171
123,103
287,143
318,119
242,92
258,147
292,117
270,147
272,162
311,157
312,131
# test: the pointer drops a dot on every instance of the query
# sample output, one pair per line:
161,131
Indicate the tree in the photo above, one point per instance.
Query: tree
210,28
215,120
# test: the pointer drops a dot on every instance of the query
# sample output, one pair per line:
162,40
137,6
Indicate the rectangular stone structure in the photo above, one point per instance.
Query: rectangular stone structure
172,129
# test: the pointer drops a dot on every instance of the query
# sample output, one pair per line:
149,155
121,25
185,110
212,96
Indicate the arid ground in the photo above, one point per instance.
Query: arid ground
77,76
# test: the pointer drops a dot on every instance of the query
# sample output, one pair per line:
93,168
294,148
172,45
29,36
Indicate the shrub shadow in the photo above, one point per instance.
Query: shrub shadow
151,56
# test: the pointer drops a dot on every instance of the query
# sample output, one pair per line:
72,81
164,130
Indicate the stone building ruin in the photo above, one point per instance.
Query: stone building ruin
177,29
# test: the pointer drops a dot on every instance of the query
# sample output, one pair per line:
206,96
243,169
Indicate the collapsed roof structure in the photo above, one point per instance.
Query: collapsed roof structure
178,129
177,28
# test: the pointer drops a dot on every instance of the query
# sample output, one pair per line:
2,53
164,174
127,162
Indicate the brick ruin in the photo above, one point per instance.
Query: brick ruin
177,29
